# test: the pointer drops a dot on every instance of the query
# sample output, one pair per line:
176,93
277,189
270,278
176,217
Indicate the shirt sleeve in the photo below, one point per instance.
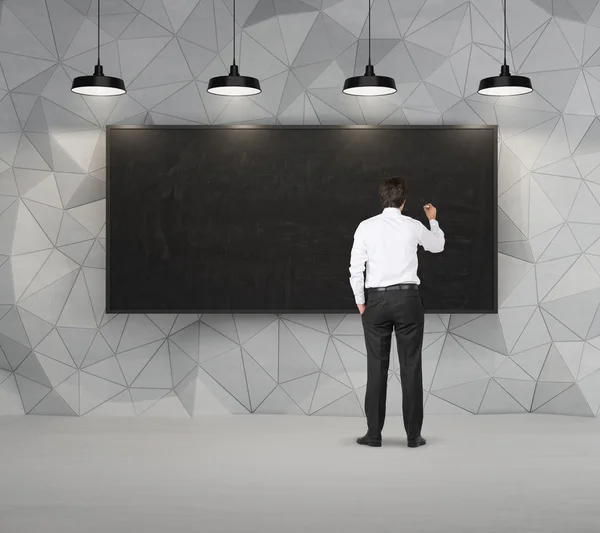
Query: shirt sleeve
358,259
432,240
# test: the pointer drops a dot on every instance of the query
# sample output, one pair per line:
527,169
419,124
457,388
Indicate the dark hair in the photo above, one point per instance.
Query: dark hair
392,192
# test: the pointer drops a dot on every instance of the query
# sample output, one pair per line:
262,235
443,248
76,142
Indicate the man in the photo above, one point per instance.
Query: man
387,245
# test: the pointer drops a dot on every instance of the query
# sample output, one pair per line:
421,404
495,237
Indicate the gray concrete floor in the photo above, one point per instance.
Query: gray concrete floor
524,473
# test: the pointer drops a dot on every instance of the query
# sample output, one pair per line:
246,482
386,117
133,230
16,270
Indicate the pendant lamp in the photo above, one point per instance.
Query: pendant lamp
98,84
233,84
506,84
370,84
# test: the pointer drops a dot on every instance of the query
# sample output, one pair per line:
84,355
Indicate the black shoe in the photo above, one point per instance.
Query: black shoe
415,443
369,441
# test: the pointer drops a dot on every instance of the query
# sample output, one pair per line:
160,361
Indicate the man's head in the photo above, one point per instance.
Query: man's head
392,193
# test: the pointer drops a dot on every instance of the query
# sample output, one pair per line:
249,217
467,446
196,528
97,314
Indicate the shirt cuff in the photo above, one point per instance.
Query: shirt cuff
360,299
433,223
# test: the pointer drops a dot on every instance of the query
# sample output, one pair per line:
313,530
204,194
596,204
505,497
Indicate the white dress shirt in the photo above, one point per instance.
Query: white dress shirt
387,245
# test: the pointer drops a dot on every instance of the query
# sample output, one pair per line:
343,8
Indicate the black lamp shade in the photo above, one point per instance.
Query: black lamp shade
98,84
370,84
505,85
234,84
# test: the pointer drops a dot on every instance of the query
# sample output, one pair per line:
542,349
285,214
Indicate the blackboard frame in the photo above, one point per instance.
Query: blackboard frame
110,128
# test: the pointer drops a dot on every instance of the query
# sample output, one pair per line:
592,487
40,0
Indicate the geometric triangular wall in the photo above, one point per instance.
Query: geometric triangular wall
61,354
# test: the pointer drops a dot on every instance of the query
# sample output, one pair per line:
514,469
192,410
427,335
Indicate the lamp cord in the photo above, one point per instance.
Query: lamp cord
369,32
98,32
505,32
234,32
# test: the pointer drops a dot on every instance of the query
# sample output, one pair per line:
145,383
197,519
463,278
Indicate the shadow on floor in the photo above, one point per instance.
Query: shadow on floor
396,442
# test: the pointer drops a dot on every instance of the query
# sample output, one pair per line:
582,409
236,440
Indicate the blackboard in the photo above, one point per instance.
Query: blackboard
261,219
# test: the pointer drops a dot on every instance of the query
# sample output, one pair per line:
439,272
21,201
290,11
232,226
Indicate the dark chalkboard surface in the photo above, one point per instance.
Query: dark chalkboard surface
257,219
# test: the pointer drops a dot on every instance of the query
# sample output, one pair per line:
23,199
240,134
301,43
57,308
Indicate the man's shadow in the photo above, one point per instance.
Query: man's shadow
398,442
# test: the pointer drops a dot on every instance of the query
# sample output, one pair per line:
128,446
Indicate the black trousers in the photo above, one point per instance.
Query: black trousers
401,312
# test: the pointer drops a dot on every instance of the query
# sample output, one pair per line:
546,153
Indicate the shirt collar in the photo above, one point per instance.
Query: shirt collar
391,212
